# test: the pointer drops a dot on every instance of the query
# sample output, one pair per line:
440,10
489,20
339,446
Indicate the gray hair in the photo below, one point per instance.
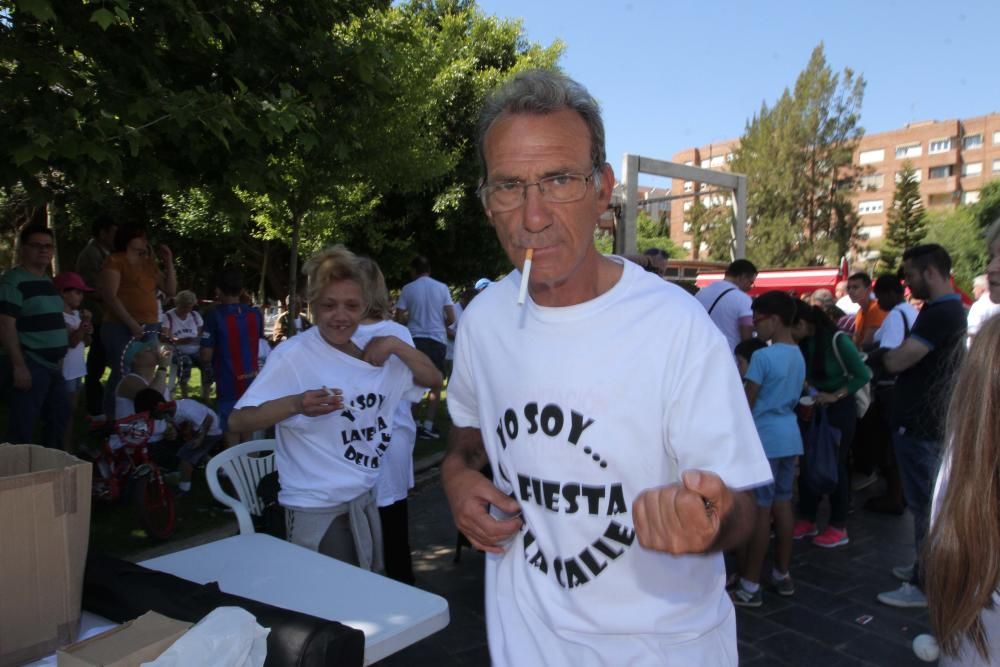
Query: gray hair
543,92
980,282
185,298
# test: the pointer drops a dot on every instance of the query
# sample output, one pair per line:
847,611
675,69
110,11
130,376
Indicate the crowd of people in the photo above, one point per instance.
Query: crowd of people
612,438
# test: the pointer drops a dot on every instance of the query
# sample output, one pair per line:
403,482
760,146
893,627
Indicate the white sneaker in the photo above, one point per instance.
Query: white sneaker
906,596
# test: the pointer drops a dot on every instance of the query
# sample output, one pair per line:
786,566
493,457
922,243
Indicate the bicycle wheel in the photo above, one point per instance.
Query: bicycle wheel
154,505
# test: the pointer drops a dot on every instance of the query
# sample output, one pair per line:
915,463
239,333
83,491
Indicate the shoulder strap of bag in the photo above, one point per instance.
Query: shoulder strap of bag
836,353
719,298
906,324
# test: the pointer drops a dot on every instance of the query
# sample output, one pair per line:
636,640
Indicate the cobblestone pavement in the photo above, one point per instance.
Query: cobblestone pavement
833,618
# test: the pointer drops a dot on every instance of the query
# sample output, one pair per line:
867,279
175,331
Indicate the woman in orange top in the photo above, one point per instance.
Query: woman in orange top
127,285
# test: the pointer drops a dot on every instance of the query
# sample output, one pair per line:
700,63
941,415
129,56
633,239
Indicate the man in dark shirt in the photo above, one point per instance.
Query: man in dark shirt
33,342
925,362
89,263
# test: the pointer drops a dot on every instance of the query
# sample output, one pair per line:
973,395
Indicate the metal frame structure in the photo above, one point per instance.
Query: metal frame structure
633,165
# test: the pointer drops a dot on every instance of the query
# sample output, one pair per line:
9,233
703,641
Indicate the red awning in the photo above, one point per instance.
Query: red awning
800,281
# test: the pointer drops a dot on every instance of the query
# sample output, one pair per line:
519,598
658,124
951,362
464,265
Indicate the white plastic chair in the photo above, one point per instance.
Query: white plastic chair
245,472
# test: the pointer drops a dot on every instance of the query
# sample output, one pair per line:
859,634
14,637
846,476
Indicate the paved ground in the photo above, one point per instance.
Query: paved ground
833,618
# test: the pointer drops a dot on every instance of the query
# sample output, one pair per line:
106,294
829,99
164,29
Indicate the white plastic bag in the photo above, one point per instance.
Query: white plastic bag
227,637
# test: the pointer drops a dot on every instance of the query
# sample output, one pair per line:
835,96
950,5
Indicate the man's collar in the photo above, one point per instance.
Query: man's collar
951,296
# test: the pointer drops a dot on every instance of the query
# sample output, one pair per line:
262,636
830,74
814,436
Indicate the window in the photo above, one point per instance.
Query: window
938,146
972,168
872,181
970,197
871,231
729,156
687,245
870,207
875,155
916,175
718,161
688,205
996,166
942,199
688,186
908,150
687,228
689,163
972,141
996,138
705,163
943,171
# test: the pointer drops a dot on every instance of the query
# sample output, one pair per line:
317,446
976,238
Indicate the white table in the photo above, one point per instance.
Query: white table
260,567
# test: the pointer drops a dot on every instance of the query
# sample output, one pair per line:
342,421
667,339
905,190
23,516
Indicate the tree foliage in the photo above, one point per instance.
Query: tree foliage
252,130
907,219
797,156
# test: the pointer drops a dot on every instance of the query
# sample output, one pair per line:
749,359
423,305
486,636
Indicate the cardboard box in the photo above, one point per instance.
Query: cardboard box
129,645
44,530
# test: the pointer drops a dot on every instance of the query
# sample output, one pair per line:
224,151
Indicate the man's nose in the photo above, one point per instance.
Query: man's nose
536,211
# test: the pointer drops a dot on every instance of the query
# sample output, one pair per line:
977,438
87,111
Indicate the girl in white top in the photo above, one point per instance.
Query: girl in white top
963,567
332,403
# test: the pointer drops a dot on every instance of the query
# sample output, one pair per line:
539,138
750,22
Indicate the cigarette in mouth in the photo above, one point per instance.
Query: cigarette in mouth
523,293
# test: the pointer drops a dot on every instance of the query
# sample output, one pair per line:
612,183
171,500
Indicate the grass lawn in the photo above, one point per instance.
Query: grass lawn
115,528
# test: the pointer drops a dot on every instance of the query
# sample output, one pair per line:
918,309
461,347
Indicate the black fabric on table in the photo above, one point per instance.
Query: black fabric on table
121,591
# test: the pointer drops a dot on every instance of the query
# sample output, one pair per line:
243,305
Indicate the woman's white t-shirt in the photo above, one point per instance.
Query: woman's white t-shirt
396,479
74,365
332,459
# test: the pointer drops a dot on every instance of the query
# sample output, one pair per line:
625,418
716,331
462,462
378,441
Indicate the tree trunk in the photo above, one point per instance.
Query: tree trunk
51,219
293,272
263,273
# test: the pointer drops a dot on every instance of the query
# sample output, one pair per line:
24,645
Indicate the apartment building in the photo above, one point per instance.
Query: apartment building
953,160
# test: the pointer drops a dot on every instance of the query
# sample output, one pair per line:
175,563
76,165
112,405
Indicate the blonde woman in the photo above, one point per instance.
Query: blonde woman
963,546
332,403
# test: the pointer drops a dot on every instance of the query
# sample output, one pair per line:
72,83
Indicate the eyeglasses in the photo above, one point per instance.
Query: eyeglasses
558,189
40,246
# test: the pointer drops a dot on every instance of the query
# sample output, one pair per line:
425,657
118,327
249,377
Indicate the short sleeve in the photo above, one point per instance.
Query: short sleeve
745,307
446,295
401,302
757,371
10,299
929,328
463,406
276,380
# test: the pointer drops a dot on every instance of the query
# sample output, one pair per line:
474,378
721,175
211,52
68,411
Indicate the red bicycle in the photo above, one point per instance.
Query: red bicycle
124,468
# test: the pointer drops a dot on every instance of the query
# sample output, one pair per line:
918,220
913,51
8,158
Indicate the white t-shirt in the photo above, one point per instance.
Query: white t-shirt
581,408
728,311
981,310
450,352
425,299
847,305
74,364
396,478
187,327
892,332
190,410
330,460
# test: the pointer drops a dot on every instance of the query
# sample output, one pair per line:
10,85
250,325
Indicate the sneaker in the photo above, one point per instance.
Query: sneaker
784,587
903,572
831,537
427,434
861,481
907,596
804,529
743,598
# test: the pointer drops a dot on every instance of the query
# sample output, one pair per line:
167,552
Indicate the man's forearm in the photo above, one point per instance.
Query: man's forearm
465,451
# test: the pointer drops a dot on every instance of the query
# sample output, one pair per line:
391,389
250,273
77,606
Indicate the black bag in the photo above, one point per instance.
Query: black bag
120,591
272,515
820,447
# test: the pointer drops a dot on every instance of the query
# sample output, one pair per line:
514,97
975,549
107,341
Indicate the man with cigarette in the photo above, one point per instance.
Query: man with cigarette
616,484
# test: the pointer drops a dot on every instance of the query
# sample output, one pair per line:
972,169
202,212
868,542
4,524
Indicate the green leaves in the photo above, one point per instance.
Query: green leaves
103,18
40,9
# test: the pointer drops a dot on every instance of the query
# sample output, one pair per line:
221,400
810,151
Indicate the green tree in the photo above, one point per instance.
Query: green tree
797,157
907,219
987,210
959,233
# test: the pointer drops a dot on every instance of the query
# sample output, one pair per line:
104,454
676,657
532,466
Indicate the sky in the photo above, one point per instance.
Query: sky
672,74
